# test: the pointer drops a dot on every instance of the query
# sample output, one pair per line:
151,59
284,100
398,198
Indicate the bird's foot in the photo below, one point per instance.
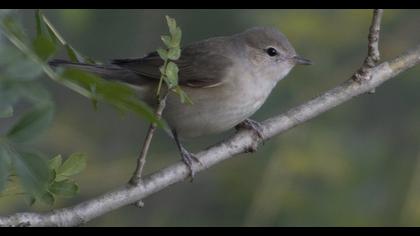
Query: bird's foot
188,158
254,126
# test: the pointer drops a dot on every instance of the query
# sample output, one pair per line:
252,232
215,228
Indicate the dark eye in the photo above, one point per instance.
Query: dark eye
272,52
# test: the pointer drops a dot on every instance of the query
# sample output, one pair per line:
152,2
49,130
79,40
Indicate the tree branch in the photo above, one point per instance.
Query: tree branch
373,55
373,46
238,143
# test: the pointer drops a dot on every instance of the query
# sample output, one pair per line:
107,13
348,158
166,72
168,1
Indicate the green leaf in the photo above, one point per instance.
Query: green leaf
47,198
72,166
43,47
117,94
84,79
65,188
13,27
162,53
33,173
30,200
89,60
38,22
9,95
5,162
166,40
175,32
176,37
31,124
6,111
34,92
53,175
172,42
75,56
174,53
54,35
55,162
23,70
9,55
71,53
172,74
171,24
183,95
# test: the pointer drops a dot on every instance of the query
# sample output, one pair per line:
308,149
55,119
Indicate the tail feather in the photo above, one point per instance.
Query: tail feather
109,72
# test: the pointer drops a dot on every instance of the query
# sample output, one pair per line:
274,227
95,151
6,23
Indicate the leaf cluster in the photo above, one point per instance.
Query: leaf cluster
169,70
23,169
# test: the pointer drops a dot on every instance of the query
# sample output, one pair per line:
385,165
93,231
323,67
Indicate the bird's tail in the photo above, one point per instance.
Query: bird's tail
109,72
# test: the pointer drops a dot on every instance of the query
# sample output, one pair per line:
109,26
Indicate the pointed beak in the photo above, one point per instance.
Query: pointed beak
301,60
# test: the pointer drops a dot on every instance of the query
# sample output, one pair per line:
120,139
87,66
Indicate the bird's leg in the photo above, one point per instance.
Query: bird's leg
187,157
251,125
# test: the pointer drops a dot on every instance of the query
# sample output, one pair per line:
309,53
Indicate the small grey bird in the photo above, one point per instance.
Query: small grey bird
227,78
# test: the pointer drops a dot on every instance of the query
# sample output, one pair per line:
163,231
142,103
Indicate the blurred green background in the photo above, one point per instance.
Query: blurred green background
357,165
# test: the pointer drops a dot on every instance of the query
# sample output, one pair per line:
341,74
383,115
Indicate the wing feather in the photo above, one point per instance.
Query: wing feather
198,66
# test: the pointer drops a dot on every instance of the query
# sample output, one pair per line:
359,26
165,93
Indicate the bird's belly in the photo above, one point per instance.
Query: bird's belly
211,114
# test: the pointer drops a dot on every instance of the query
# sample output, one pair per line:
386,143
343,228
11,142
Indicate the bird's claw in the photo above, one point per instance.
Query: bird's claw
256,128
188,158
251,125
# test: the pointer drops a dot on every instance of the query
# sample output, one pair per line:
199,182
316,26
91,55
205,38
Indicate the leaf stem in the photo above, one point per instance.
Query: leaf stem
162,76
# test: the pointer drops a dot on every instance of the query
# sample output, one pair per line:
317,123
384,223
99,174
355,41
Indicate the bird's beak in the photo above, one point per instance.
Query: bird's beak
301,60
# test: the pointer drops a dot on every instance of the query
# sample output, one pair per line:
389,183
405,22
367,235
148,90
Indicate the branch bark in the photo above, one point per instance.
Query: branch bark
238,143
373,55
373,46
141,161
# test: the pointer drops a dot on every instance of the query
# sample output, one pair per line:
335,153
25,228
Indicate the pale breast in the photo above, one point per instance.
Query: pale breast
217,109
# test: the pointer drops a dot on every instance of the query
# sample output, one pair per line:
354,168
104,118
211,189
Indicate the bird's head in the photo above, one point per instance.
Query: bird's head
269,52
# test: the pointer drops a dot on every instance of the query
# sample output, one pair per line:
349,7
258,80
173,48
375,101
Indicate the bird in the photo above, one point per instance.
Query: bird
228,78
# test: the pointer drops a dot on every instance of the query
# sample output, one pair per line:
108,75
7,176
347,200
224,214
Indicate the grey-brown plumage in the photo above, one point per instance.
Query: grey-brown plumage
227,78
199,65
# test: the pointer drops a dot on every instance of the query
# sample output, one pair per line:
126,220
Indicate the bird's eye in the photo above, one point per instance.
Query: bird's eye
272,52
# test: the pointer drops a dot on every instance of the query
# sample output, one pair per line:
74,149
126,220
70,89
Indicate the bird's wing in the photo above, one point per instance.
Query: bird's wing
198,67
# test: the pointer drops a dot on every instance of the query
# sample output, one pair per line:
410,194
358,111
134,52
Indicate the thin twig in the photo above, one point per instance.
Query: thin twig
373,55
373,45
136,178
